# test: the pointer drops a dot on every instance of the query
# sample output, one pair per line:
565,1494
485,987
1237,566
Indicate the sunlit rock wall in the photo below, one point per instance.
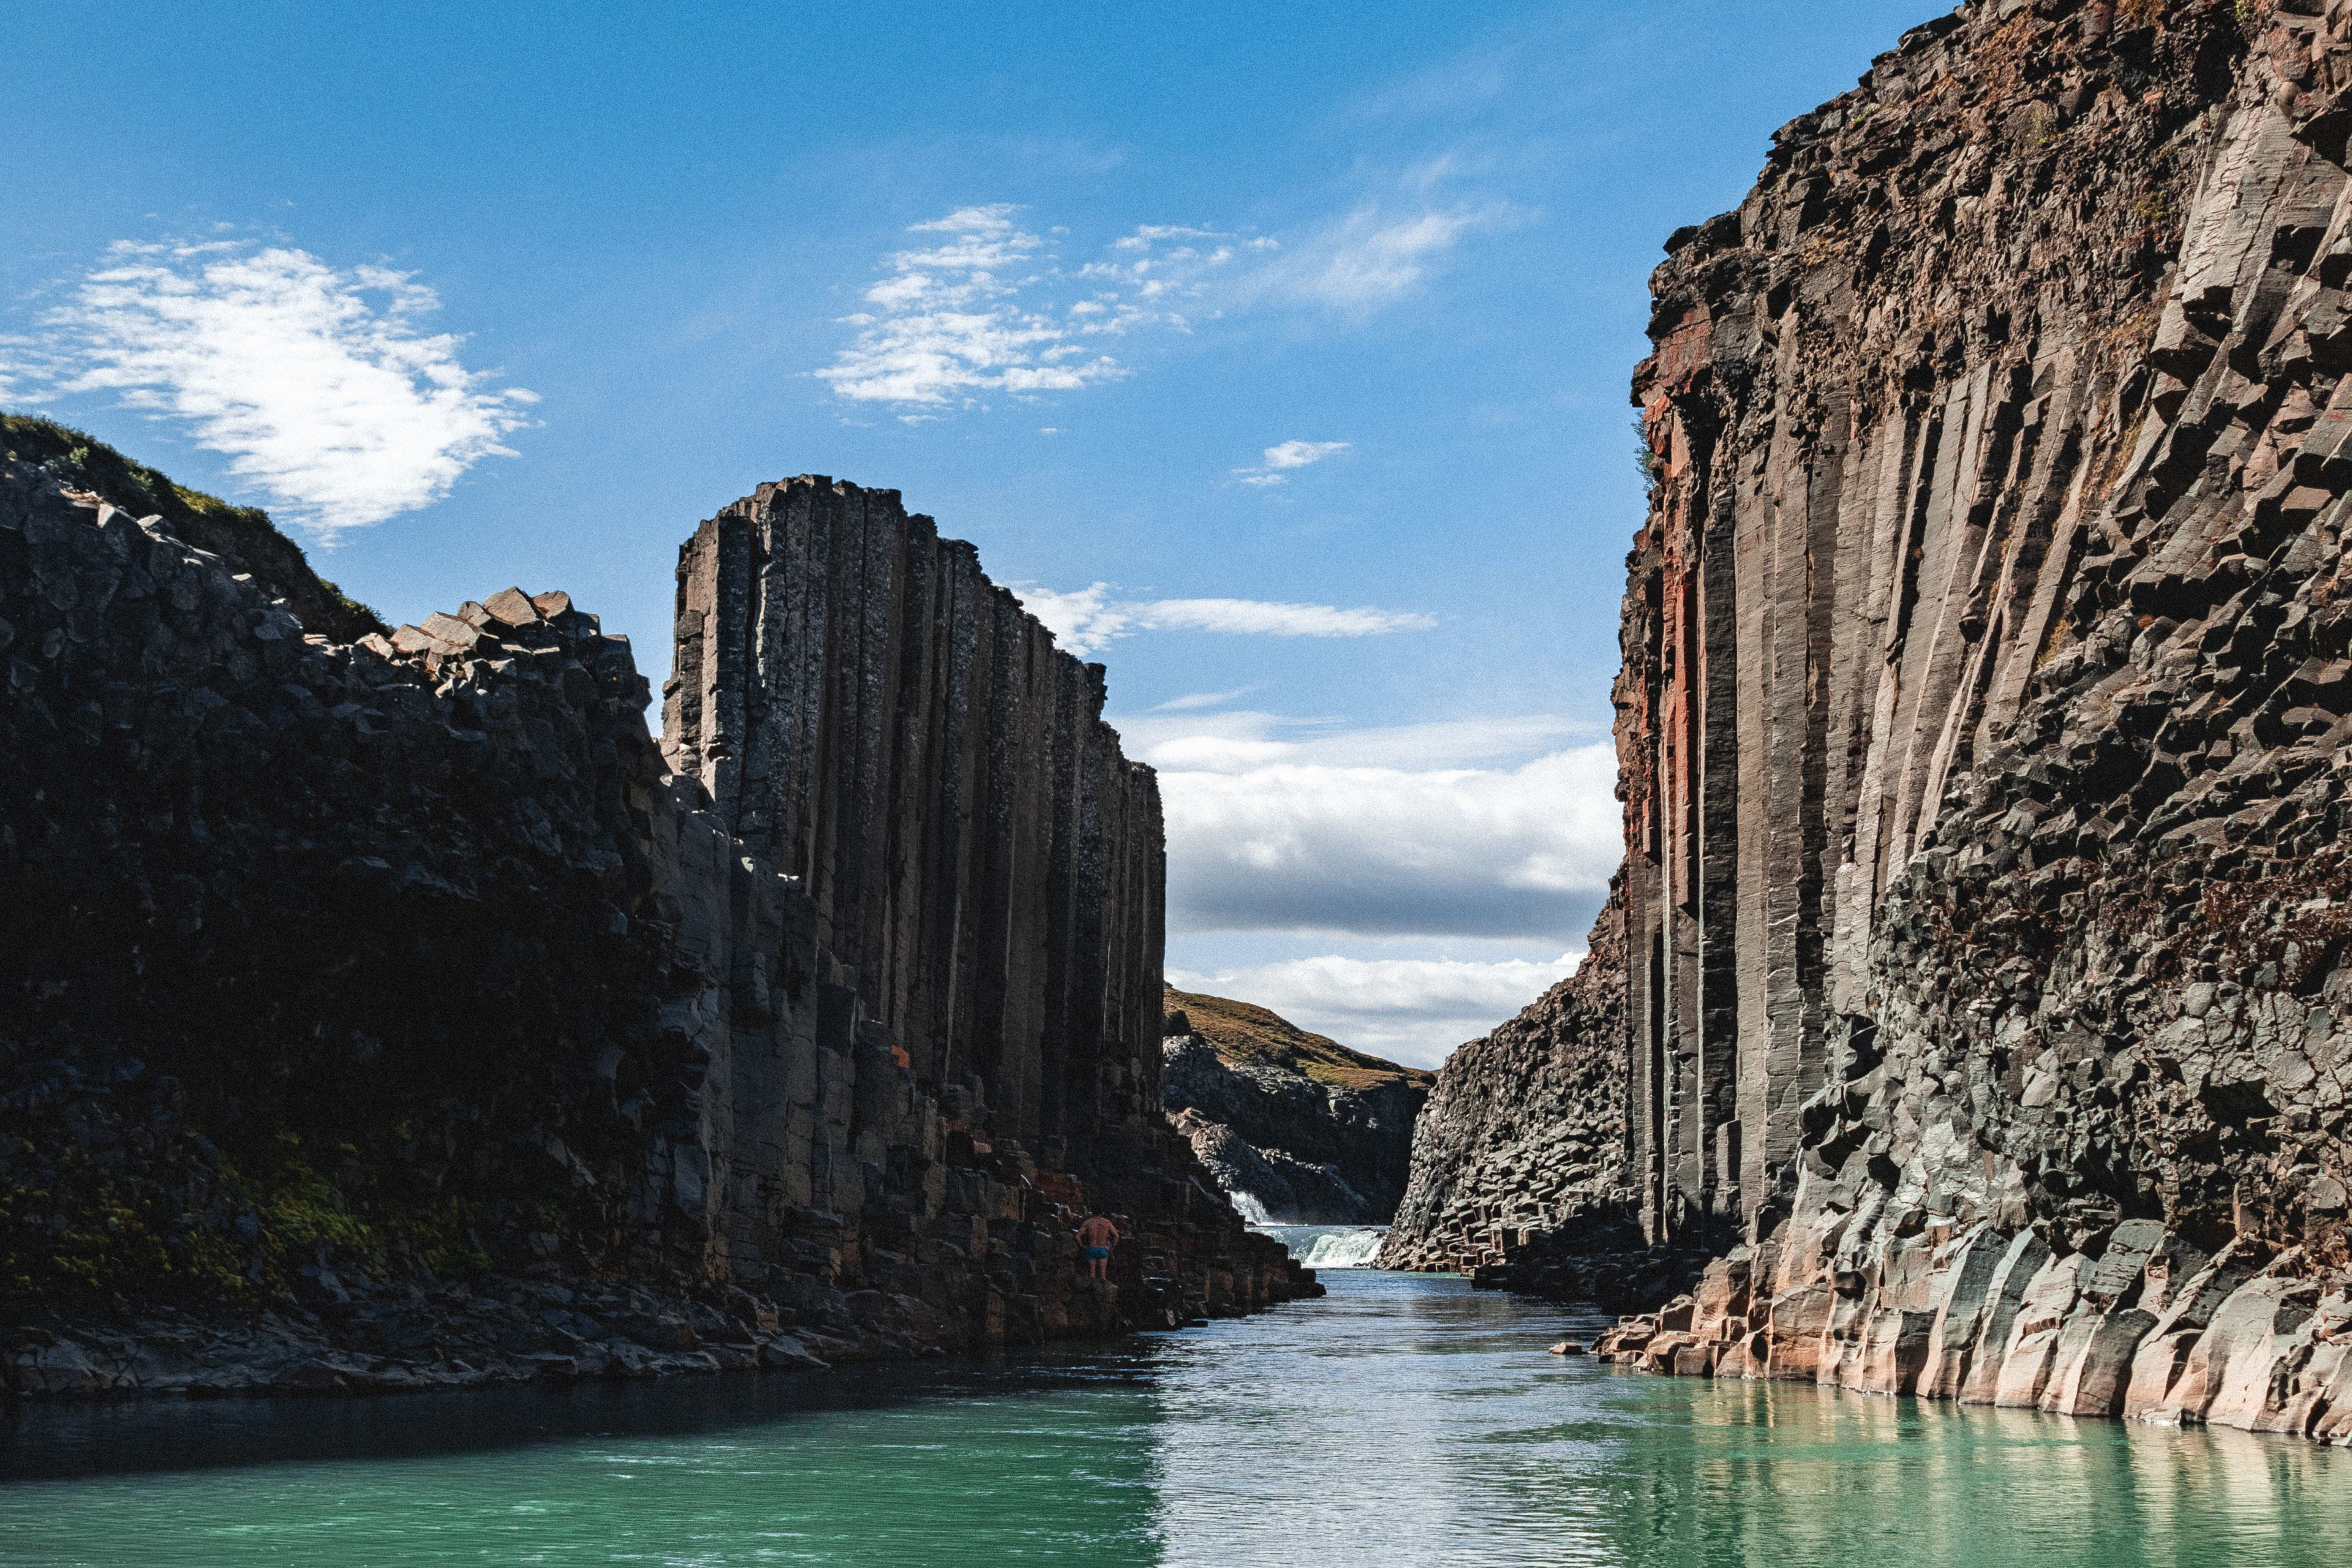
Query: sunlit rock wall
1982,724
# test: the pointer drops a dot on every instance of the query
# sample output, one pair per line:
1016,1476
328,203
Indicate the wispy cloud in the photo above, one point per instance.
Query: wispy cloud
949,322
1285,457
993,308
1378,254
1193,700
1414,1010
1089,619
1301,454
315,380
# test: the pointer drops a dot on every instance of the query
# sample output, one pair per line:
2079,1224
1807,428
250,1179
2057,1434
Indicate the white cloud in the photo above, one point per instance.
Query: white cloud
1089,619
1240,738
1374,256
991,309
1484,827
314,380
1279,844
948,322
988,311
1413,1010
1285,456
1263,617
1301,454
1192,701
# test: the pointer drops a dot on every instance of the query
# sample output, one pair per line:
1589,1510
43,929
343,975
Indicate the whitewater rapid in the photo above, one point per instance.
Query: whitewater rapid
1328,1246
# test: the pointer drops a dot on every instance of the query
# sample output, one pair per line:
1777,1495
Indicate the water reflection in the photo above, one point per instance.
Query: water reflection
1402,1420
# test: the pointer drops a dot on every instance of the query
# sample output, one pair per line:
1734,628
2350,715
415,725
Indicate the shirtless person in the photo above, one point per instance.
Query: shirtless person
1098,1236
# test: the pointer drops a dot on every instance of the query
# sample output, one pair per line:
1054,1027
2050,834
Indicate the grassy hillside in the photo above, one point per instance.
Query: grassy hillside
1243,1032
242,535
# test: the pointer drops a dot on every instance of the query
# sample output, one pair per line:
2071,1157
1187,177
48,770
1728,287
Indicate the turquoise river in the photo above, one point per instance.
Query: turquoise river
1406,1419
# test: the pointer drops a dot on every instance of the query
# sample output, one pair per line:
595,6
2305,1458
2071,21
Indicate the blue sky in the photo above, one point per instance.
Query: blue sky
1277,354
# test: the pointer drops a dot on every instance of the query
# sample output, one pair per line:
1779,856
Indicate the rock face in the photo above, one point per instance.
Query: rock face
1287,1148
1525,1134
1518,1176
1297,1128
400,1008
1983,728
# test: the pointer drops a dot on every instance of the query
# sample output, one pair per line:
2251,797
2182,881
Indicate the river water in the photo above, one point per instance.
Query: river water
1404,1419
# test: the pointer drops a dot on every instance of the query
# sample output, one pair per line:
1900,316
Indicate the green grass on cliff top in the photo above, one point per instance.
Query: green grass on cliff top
1243,1032
243,534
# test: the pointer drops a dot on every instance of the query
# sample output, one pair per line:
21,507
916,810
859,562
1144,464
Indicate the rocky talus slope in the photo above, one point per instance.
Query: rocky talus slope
1519,1174
397,1014
1296,1128
1988,680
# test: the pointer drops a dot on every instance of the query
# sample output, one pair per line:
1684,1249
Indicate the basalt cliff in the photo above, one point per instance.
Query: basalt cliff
1986,999
393,1011
1297,1128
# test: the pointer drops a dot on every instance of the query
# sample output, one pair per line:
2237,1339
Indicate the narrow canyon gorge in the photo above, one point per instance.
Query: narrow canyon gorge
1970,1016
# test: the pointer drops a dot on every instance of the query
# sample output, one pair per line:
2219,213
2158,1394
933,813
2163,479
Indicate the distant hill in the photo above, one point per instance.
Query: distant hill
1243,1032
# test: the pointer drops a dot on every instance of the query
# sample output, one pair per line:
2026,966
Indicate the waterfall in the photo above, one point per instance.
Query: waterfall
1251,1210
1328,1246
1343,1248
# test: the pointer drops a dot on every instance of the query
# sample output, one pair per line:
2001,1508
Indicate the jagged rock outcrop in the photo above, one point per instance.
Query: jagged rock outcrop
1983,728
389,1015
243,537
1281,1145
1297,1128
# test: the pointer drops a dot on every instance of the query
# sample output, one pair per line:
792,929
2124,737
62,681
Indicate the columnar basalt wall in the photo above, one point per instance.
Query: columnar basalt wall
397,1014
882,722
1982,729
1893,403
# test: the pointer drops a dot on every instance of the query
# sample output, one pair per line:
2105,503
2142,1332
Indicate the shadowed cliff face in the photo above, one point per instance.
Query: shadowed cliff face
400,987
1982,729
1525,1134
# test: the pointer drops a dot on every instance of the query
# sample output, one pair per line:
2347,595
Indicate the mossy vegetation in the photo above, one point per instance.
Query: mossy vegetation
82,1224
1243,1032
243,534
1646,458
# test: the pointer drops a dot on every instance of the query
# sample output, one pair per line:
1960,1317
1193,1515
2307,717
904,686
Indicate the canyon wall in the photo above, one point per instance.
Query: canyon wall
1524,1136
398,1013
1982,729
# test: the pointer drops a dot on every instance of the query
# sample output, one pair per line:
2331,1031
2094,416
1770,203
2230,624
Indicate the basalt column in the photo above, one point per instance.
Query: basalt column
1987,724
1868,489
881,722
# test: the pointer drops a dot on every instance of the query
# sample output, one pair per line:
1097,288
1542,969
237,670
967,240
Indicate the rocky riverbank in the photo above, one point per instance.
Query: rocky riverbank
353,1333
